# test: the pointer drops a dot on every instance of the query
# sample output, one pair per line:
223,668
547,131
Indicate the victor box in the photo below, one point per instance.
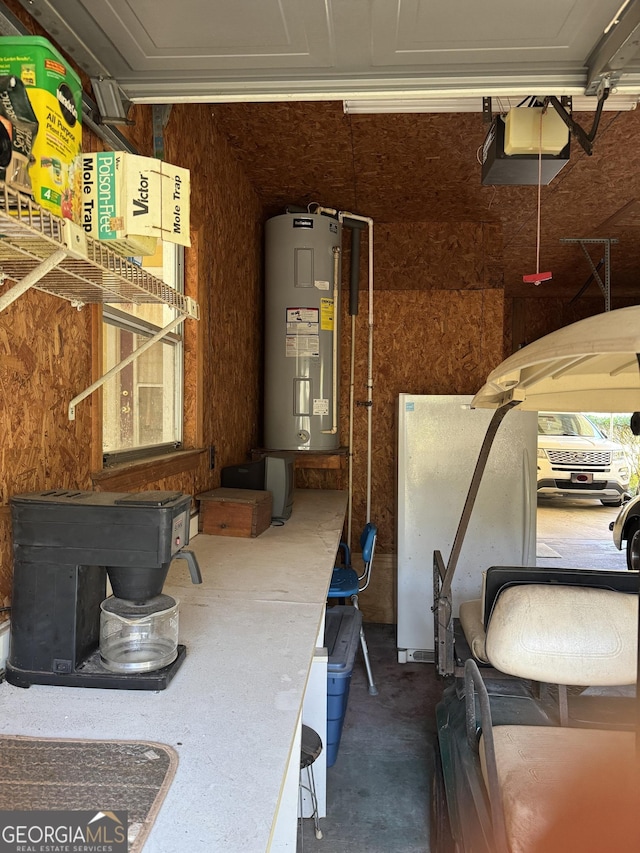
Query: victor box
134,201
235,512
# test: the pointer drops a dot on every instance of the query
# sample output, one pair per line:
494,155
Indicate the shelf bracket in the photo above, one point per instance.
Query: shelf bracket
124,363
32,278
605,286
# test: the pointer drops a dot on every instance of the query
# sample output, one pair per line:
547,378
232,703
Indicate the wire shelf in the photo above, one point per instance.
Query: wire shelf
89,273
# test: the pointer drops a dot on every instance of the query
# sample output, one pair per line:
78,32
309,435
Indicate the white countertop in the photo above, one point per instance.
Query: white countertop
232,708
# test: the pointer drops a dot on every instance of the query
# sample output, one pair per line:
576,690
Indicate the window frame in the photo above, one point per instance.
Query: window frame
115,317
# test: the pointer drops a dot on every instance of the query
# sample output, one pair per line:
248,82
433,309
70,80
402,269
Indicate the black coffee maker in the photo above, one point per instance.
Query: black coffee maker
65,544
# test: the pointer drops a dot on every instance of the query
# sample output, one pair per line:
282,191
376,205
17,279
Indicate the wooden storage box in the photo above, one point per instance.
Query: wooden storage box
235,512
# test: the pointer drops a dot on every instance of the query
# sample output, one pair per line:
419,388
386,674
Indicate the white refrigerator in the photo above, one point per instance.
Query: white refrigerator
439,438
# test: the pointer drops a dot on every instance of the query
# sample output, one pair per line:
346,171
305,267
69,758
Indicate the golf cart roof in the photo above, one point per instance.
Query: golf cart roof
591,365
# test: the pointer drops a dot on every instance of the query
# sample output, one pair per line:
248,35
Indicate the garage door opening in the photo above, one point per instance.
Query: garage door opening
587,470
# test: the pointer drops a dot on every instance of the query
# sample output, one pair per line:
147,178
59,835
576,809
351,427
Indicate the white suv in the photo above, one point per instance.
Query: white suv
576,460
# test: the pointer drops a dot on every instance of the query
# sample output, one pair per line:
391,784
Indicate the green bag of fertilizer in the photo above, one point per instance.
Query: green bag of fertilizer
42,107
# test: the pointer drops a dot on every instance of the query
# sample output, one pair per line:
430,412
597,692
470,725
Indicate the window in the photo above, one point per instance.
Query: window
566,423
142,404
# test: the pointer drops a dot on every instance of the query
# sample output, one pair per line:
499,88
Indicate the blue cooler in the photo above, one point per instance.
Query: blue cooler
341,638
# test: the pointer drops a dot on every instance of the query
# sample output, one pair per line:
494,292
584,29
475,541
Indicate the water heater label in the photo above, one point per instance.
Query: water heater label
302,339
302,315
302,346
321,285
302,328
320,407
303,222
326,307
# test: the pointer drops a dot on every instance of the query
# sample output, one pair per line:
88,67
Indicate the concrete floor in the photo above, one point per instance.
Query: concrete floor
575,534
378,790
379,787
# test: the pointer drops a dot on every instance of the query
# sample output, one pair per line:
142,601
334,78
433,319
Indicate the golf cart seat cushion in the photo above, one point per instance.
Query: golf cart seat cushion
538,767
497,578
470,614
565,635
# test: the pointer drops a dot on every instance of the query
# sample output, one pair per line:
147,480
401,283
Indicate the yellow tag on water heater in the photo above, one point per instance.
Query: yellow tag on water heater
326,315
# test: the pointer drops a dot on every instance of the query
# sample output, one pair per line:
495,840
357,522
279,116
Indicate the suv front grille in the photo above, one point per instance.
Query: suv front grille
579,457
566,486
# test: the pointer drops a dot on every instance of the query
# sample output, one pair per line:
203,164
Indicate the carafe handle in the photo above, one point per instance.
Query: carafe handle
194,568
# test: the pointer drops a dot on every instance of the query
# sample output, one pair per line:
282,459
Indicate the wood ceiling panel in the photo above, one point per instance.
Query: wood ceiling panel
413,169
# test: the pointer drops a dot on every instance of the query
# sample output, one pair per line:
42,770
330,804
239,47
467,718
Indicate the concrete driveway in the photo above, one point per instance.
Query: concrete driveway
575,534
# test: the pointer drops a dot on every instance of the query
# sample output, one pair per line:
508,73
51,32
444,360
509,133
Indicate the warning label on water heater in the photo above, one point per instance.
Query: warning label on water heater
300,346
302,337
326,322
302,315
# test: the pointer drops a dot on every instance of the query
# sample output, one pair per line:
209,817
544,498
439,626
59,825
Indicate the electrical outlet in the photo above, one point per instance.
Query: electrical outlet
212,457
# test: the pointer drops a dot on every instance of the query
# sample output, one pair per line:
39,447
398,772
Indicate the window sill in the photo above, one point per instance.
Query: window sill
131,475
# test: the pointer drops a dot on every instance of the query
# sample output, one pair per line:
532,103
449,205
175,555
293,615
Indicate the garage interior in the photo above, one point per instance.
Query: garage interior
260,134
450,253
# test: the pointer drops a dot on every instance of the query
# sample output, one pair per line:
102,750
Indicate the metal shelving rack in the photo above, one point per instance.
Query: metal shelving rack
46,252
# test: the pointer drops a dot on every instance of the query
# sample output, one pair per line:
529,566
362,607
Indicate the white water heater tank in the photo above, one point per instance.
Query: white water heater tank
301,326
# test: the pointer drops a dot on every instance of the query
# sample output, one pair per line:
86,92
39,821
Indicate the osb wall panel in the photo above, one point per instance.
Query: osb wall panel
393,168
226,213
533,318
314,162
416,168
437,255
425,342
45,359
379,602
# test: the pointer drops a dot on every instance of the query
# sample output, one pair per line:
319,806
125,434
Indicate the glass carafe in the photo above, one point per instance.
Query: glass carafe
138,637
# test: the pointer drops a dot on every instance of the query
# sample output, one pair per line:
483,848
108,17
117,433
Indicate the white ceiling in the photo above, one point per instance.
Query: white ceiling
163,51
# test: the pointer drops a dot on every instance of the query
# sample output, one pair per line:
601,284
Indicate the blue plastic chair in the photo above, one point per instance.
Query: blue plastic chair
346,583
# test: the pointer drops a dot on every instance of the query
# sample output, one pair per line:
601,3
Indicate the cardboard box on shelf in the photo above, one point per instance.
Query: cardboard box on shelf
133,201
41,112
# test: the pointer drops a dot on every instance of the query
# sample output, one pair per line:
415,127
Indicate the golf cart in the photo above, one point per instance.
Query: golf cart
626,527
542,669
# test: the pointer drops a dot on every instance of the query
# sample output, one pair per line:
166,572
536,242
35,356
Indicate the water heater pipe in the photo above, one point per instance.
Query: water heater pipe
352,375
342,215
355,268
355,228
334,369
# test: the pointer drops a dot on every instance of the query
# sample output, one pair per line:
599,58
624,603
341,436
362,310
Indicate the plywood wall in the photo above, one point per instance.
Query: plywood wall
227,219
46,344
425,342
534,317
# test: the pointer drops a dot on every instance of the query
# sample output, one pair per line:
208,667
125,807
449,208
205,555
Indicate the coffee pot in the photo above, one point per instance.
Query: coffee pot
64,629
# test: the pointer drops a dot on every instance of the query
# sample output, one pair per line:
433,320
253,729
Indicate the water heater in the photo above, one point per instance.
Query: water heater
302,285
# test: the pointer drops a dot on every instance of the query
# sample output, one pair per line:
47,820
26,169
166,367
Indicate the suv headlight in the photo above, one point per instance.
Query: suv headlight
618,455
542,454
